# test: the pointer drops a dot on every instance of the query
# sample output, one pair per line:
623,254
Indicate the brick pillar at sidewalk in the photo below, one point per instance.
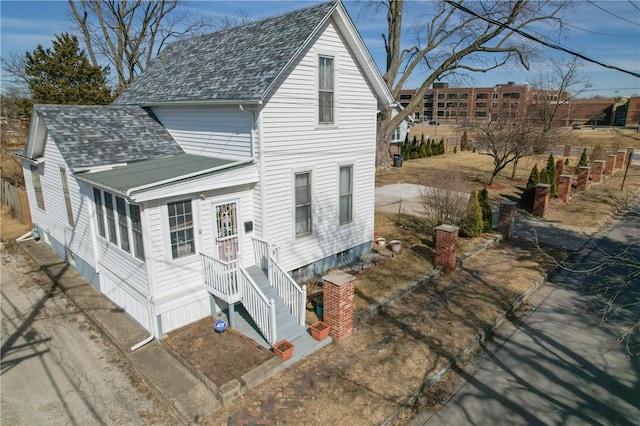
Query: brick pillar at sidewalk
446,247
559,170
583,178
338,304
564,187
627,155
598,170
506,218
608,165
541,199
567,150
619,159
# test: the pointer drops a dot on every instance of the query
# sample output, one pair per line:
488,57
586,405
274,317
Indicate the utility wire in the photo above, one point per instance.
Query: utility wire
537,40
611,13
633,4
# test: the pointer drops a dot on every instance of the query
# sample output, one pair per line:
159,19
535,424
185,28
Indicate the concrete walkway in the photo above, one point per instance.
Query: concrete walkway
560,366
183,393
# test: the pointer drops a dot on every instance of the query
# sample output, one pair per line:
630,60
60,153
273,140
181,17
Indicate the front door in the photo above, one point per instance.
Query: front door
227,231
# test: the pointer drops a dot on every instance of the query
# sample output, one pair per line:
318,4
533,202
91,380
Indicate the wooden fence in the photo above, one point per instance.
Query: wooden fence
16,199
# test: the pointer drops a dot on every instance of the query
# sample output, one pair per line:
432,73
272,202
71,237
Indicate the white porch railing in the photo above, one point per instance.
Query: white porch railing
261,309
220,278
293,296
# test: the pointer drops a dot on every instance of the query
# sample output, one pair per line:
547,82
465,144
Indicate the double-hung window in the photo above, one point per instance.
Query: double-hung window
136,231
37,186
346,194
325,90
67,197
181,229
111,218
122,224
303,203
97,196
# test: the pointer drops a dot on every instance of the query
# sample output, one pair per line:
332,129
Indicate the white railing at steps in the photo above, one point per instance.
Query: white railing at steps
261,309
231,283
294,296
220,278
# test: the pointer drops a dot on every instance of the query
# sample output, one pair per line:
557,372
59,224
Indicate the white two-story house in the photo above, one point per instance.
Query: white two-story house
244,152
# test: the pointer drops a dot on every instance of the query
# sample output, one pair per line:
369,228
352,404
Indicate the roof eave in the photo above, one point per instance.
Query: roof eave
213,102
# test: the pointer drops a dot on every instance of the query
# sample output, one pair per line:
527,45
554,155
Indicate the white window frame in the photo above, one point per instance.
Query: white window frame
308,204
349,194
396,135
123,224
100,213
110,215
137,237
333,90
37,184
66,194
193,249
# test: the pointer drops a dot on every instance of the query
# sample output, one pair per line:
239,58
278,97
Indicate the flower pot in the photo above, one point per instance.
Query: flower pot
320,330
283,349
396,246
381,241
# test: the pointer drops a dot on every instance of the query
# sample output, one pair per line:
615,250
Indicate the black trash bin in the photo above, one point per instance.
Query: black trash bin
397,160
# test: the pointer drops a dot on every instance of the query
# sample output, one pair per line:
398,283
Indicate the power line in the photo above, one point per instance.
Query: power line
633,4
537,40
611,13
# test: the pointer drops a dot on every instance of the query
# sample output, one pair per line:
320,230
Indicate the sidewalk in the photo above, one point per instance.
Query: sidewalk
184,394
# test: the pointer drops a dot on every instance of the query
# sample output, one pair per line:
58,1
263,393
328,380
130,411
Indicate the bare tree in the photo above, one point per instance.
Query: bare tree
448,41
554,90
129,33
507,140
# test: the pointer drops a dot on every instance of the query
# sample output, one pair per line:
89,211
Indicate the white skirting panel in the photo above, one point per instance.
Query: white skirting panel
123,295
183,311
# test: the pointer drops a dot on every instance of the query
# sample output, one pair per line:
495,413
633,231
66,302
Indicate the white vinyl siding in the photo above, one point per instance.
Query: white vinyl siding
292,141
325,90
37,185
303,203
346,194
64,182
211,131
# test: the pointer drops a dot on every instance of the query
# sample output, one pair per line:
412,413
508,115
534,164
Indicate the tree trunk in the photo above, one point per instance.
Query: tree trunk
515,166
383,136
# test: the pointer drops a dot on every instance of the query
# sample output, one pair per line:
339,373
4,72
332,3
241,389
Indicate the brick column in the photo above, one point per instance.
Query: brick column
598,170
583,178
627,154
446,247
541,199
619,160
338,304
608,165
506,218
567,150
559,170
564,187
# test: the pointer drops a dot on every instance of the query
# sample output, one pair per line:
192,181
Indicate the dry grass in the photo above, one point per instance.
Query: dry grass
10,227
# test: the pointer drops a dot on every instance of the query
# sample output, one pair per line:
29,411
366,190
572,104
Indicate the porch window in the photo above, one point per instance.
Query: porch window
111,218
37,186
122,224
67,197
181,229
136,230
97,196
325,90
346,194
303,203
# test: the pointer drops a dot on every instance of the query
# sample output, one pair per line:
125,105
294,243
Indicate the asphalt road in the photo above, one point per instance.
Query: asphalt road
56,367
562,365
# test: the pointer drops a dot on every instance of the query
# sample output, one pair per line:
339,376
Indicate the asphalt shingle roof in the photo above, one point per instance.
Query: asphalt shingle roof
234,64
97,135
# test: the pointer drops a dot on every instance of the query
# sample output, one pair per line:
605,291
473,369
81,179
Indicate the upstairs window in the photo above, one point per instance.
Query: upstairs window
346,194
67,196
37,186
325,90
303,203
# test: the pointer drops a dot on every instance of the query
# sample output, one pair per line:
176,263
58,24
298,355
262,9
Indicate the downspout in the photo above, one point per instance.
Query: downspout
25,237
146,241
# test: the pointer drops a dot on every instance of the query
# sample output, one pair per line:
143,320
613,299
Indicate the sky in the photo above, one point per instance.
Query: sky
607,31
